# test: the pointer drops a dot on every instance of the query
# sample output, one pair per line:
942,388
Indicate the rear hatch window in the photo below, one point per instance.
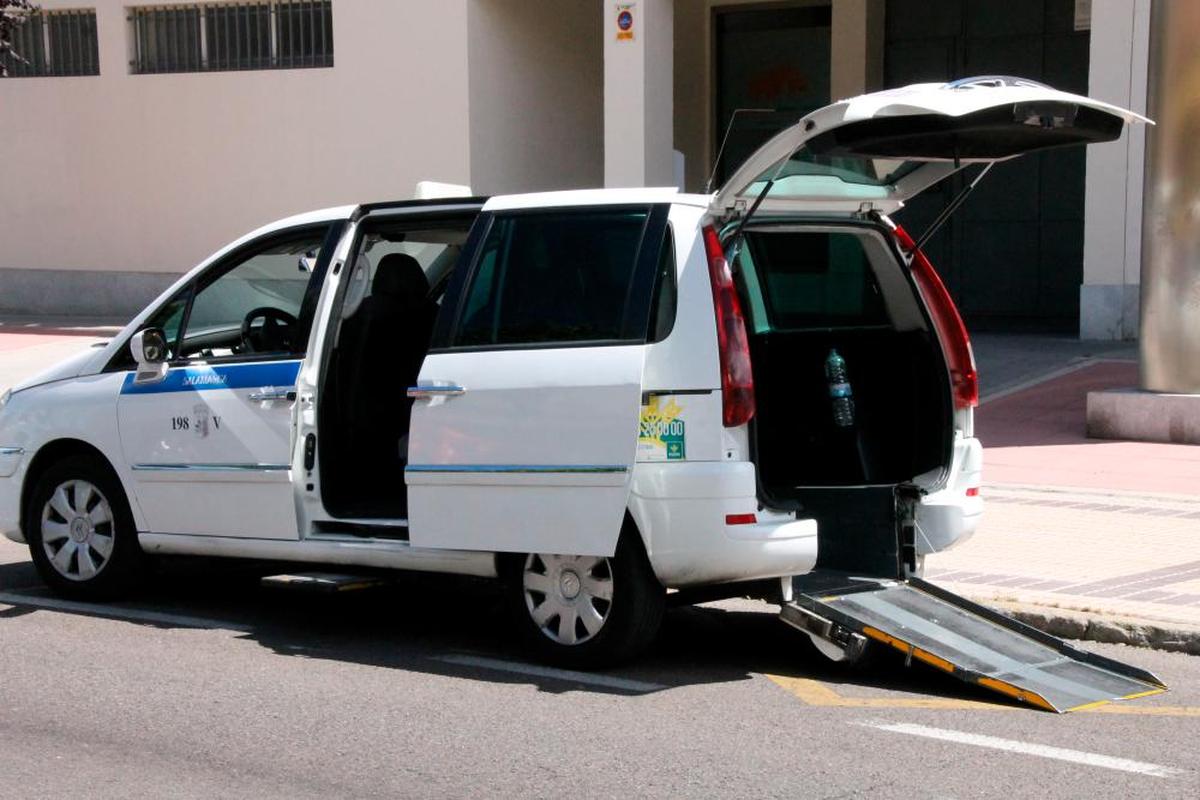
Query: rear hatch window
809,280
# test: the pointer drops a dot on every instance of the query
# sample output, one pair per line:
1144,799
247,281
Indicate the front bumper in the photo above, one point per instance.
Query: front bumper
11,462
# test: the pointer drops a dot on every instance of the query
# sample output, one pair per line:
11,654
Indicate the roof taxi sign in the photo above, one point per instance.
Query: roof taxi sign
625,21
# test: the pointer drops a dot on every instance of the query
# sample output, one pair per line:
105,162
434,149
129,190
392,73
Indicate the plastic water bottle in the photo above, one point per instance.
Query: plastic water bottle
840,393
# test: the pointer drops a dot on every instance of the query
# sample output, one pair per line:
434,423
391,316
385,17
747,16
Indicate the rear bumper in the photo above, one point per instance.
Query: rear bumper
949,517
680,510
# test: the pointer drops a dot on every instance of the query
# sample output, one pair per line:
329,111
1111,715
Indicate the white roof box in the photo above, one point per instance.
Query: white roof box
431,190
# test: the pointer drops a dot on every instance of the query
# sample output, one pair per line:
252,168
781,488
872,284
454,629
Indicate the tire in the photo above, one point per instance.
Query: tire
586,612
80,530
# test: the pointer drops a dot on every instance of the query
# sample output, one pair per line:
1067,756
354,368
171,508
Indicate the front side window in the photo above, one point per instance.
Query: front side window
249,308
561,277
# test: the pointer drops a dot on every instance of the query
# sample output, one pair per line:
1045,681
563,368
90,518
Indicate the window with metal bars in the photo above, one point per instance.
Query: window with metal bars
216,37
54,43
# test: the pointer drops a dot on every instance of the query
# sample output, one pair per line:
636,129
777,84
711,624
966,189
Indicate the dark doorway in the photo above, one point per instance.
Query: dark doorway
1012,256
776,58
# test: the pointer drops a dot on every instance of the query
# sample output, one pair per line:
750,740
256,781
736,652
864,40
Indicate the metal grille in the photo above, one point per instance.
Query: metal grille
53,43
216,37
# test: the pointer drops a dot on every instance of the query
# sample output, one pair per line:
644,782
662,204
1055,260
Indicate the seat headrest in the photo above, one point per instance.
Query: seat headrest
400,275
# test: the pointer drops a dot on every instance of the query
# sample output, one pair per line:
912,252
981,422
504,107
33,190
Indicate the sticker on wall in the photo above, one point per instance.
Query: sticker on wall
661,431
625,21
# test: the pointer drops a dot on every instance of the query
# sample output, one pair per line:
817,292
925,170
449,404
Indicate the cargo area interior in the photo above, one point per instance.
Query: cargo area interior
809,292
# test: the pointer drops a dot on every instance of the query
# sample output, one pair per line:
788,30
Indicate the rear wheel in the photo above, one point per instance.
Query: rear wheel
586,612
80,530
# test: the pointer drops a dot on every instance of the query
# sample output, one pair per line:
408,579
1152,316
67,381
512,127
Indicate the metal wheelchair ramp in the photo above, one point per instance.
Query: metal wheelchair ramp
965,639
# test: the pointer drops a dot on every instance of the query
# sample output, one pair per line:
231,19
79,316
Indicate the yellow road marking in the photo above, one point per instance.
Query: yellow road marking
815,693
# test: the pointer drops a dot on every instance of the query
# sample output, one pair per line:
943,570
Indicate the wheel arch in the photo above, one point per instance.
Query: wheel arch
509,563
51,453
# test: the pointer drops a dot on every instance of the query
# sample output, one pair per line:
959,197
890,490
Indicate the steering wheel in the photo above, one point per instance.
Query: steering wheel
274,335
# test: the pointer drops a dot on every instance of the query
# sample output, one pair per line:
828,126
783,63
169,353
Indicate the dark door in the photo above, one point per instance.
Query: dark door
776,59
1013,254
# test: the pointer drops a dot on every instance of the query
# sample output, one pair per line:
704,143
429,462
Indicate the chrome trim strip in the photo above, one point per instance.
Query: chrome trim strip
435,391
268,393
212,467
12,451
567,469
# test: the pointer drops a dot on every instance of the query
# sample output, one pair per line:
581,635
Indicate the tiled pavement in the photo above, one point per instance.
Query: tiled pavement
1076,523
28,346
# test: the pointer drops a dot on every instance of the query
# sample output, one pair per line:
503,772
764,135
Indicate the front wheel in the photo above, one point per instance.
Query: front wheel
586,612
80,531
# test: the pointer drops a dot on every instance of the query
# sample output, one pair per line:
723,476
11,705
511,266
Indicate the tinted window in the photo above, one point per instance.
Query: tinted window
557,277
798,280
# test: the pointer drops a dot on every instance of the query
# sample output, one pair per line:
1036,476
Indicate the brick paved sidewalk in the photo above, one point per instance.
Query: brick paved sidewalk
30,346
1110,528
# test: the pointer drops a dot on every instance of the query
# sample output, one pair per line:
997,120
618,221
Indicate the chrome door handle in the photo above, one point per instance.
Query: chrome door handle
435,391
268,393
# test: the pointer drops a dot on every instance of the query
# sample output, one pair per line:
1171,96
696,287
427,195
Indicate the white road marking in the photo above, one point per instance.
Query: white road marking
607,681
118,612
1027,748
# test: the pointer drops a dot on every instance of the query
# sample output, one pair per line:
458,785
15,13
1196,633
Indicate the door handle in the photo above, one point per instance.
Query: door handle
268,393
420,392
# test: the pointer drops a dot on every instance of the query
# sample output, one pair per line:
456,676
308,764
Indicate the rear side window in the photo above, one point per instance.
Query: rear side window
563,277
799,280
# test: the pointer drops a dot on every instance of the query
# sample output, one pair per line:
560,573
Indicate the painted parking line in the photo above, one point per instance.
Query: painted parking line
815,693
1029,749
567,675
118,612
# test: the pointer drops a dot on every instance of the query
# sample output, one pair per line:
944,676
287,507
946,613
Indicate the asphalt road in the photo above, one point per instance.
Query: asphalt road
209,685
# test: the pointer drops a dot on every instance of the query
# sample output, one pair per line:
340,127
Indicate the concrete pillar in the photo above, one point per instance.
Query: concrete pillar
856,47
638,93
1112,229
1170,328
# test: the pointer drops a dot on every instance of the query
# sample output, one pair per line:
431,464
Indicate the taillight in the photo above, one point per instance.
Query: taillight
737,382
956,344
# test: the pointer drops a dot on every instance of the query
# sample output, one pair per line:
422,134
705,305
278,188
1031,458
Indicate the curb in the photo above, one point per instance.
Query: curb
1133,631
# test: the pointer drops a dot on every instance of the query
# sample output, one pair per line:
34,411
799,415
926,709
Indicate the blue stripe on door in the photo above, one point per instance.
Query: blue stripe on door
202,378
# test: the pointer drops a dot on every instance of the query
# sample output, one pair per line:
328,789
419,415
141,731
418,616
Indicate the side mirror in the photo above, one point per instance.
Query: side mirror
307,262
149,349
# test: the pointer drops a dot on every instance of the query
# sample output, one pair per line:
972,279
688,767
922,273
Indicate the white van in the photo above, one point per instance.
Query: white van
599,396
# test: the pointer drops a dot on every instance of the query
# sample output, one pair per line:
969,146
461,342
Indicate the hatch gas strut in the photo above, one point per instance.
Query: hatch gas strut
950,209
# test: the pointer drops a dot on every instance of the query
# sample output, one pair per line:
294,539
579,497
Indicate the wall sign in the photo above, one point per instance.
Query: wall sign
625,21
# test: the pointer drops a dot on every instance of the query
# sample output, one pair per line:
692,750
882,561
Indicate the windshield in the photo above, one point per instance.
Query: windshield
807,174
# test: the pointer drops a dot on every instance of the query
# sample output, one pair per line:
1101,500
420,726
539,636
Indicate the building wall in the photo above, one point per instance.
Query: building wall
856,66
117,181
536,95
1112,247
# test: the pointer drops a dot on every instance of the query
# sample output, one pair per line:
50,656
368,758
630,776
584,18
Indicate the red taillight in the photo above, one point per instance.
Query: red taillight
973,491
956,344
740,519
737,382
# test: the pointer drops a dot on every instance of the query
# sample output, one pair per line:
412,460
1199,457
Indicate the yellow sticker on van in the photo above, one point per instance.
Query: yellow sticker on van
662,431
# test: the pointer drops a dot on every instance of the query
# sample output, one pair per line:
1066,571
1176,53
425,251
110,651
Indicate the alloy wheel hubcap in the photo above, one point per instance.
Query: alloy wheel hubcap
568,597
77,530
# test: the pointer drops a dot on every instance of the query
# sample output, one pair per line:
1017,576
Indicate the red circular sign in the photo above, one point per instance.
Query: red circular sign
625,20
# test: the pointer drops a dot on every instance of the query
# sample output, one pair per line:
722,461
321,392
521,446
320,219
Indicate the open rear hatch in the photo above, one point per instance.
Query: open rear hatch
876,151
871,154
